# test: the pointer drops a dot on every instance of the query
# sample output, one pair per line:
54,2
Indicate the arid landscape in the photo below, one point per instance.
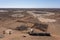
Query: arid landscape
29,24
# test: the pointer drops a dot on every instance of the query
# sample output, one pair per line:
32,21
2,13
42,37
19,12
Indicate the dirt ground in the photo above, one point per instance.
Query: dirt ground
11,23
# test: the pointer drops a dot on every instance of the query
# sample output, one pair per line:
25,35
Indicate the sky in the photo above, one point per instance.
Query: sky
29,3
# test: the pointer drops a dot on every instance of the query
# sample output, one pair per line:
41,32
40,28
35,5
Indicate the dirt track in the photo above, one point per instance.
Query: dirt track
53,28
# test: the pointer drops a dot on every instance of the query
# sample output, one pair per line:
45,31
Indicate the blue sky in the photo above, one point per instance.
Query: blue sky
29,3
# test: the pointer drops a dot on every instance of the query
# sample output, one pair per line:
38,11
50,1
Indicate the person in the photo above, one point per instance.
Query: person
9,32
3,32
32,30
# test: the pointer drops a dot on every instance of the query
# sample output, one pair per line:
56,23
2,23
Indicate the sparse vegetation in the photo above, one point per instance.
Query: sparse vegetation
22,28
29,18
